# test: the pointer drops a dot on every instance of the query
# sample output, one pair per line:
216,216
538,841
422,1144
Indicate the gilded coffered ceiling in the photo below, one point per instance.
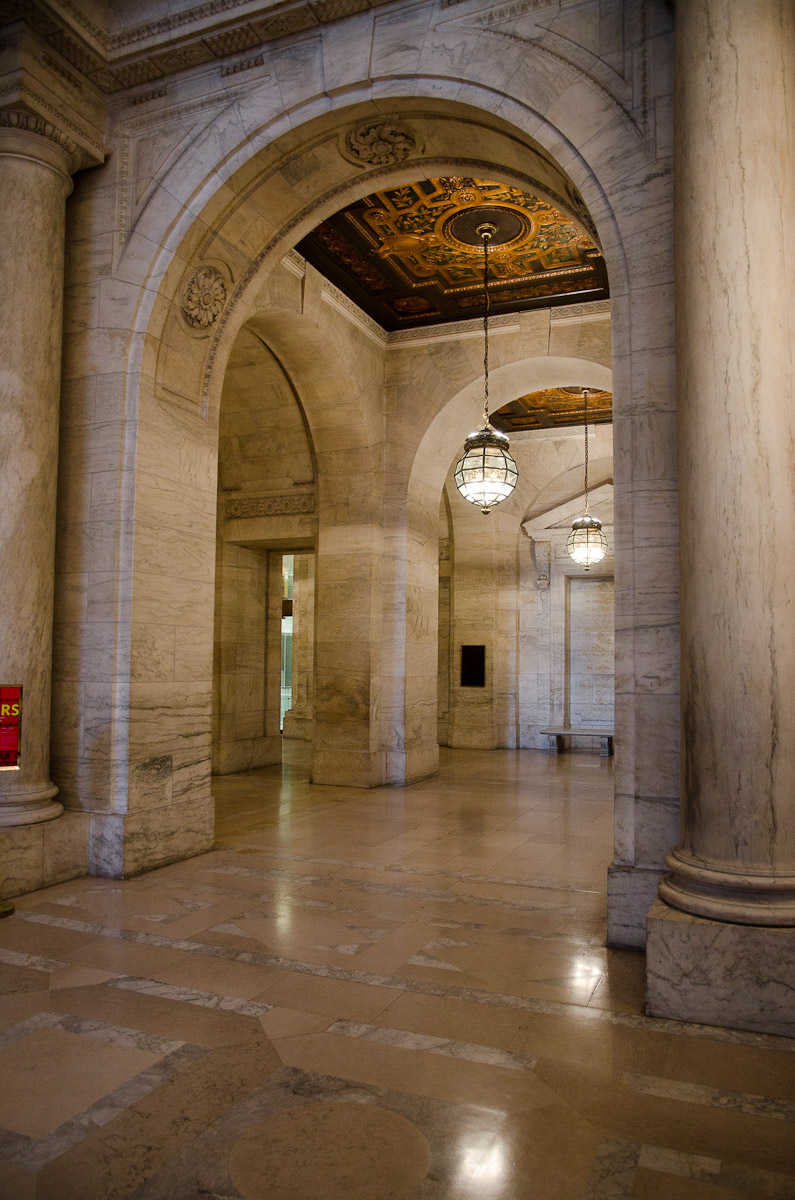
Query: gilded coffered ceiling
551,408
396,253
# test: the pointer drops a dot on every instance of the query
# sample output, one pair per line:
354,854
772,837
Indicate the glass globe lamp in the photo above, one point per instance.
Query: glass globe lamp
486,473
586,543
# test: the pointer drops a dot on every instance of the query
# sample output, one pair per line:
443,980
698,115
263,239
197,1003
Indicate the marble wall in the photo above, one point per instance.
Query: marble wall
590,680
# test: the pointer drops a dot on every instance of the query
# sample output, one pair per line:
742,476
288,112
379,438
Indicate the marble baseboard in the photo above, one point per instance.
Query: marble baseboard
244,754
35,856
121,846
404,768
630,894
714,973
298,728
346,768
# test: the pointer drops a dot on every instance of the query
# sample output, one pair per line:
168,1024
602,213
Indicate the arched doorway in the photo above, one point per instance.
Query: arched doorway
175,379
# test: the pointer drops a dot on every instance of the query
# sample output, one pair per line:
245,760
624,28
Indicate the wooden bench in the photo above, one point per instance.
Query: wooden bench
560,738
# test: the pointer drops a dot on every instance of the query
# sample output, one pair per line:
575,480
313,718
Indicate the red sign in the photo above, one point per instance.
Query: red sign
10,722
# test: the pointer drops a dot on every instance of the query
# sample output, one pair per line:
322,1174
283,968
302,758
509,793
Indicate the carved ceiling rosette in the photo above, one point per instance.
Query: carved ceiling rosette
378,144
203,298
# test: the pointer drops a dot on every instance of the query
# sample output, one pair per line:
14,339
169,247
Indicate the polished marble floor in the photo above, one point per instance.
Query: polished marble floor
386,995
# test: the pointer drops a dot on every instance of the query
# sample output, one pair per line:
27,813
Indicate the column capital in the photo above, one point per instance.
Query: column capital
24,135
46,111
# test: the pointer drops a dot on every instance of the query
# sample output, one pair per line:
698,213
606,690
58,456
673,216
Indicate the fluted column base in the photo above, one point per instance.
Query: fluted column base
718,973
742,898
29,807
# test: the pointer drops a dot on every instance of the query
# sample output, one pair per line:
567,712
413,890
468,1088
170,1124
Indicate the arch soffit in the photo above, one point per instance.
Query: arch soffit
216,164
445,434
319,379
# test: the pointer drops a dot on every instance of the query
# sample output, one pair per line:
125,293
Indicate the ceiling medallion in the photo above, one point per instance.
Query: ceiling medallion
509,225
414,241
379,144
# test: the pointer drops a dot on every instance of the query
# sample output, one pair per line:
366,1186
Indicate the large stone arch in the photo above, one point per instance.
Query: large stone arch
440,444
235,192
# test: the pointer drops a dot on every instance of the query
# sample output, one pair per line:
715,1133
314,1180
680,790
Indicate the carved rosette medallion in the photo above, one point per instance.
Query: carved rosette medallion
203,298
379,144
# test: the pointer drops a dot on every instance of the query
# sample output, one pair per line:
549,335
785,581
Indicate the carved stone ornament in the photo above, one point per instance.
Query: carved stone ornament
204,297
28,122
270,506
379,144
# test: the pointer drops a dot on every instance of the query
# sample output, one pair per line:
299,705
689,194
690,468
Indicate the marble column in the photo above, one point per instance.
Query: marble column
35,180
721,939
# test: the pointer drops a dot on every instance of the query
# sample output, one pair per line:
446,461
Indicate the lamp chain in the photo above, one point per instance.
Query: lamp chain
486,238
585,399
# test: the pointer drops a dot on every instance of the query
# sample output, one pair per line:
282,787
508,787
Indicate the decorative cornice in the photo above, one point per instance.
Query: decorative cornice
424,335
453,331
343,304
245,64
590,310
295,263
245,507
38,115
150,50
557,433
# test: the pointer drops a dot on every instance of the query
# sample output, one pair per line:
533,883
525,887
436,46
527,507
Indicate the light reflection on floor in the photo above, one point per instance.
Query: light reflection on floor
396,994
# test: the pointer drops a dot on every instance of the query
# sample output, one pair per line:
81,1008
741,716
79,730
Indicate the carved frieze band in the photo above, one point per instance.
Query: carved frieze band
270,506
141,53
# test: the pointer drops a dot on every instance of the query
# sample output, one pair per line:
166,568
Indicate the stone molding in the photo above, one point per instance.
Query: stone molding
343,304
588,310
422,335
452,330
115,62
295,263
244,507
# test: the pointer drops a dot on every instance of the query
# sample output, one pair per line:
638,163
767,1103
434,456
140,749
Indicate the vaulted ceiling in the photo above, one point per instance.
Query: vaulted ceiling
399,255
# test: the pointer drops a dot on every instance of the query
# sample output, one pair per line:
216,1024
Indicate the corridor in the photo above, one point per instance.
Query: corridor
372,995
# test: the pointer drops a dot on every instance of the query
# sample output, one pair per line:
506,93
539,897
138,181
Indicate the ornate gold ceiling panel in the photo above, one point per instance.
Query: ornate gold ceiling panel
551,408
396,254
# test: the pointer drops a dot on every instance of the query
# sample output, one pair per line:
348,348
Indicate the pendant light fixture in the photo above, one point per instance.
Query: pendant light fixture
586,543
486,473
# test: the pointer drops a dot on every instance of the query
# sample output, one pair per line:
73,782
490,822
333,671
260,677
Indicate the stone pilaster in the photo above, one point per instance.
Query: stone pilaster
35,180
735,865
49,128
